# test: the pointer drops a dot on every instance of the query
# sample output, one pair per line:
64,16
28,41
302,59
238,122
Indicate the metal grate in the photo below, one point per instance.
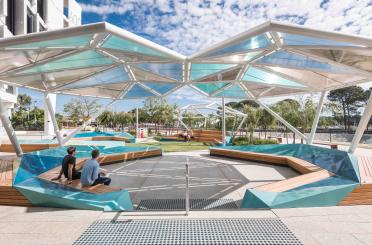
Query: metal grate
180,204
189,231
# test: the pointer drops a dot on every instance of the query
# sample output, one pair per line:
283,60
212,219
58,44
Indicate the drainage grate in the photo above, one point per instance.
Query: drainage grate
189,231
180,204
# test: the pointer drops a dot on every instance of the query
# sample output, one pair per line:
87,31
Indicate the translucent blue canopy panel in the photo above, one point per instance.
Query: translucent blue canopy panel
137,92
256,75
210,88
234,91
295,39
161,88
87,58
236,58
256,42
201,70
173,71
118,43
286,59
68,42
115,75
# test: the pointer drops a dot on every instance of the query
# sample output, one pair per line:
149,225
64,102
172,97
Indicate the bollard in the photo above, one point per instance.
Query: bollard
187,200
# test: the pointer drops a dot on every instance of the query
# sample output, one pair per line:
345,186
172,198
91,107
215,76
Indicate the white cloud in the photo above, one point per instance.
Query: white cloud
189,26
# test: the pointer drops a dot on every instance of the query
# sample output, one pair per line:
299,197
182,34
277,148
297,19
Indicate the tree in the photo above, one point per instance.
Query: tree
106,119
350,99
266,120
81,109
253,117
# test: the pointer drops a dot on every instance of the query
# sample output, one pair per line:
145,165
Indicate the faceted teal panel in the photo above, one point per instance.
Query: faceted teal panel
111,76
80,60
260,41
118,43
202,70
234,91
173,71
321,196
338,162
286,59
295,39
260,76
138,92
161,88
69,42
209,87
49,194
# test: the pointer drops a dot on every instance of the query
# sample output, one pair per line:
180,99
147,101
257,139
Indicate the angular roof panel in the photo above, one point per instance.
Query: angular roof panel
102,60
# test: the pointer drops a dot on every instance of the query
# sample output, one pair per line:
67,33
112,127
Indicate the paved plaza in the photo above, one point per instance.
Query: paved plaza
210,177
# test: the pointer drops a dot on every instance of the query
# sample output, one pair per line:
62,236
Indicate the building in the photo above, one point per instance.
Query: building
19,17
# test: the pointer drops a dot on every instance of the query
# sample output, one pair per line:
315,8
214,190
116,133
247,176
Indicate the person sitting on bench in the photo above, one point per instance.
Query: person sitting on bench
68,166
91,173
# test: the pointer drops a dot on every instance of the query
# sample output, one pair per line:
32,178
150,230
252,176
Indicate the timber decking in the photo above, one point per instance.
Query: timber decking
363,193
9,195
310,172
365,169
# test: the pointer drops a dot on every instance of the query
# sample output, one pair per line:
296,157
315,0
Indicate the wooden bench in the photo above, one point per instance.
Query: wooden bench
27,147
97,189
332,145
310,172
103,160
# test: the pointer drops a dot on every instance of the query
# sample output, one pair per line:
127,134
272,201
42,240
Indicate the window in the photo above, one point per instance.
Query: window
30,22
10,16
40,8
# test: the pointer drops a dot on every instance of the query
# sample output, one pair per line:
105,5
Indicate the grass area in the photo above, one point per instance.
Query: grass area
175,146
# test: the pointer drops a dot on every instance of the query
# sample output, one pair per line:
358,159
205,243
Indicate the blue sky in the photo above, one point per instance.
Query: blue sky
190,26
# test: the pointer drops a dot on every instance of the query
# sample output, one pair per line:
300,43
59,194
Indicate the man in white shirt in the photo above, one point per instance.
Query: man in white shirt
91,173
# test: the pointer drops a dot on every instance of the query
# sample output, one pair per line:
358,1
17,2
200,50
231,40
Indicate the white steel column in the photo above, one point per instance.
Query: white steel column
223,122
49,128
183,124
279,118
316,118
50,109
361,126
137,123
240,126
68,137
9,129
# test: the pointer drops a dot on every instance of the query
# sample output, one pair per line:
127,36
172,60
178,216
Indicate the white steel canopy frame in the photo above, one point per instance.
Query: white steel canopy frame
102,60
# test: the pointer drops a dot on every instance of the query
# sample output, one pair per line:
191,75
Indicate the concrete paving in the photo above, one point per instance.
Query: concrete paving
163,177
210,177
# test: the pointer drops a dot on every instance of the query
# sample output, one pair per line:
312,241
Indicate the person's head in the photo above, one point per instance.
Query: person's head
71,150
95,153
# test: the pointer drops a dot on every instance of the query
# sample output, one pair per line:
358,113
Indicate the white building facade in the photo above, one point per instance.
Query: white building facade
20,17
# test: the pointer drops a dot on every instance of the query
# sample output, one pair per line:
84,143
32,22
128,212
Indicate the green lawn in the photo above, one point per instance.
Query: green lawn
175,146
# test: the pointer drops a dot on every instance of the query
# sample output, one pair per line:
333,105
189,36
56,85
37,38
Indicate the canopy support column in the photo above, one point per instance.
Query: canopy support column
282,120
9,129
361,126
183,124
223,122
68,137
137,123
316,118
52,114
240,126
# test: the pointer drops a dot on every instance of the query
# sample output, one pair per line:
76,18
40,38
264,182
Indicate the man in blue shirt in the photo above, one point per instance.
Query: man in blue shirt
91,173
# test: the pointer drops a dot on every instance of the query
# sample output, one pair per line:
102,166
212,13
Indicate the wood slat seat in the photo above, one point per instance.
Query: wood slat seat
49,175
294,182
310,172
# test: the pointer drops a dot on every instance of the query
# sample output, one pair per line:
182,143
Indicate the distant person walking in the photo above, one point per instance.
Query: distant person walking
68,166
92,174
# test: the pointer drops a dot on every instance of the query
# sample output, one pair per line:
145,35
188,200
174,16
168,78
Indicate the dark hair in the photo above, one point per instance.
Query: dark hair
71,150
95,153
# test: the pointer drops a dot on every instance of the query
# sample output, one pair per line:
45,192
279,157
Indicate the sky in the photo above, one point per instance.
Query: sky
190,26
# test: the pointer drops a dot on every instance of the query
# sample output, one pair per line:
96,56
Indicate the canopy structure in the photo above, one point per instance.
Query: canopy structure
105,61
